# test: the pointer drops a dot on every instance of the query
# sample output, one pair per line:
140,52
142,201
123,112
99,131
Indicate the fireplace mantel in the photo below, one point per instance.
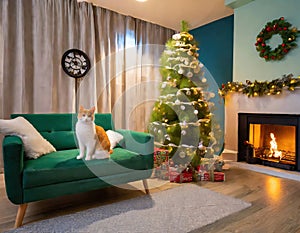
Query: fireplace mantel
285,103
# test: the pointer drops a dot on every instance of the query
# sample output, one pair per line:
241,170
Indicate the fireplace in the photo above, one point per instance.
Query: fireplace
269,139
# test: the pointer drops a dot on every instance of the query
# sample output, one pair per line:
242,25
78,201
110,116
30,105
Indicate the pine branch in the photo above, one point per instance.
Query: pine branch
184,26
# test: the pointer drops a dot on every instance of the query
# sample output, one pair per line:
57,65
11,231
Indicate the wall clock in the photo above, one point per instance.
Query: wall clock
75,63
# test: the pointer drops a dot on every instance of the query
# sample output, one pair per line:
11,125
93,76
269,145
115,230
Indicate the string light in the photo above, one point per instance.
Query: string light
259,88
197,123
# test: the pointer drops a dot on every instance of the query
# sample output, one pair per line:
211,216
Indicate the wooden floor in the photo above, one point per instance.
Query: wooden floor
275,203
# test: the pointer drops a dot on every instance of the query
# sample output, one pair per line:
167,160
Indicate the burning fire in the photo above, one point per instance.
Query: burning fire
274,152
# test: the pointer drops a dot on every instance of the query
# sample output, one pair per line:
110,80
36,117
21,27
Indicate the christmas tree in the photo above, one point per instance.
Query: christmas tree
181,121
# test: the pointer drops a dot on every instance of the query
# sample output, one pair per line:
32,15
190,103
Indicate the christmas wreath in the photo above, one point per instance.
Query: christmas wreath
283,28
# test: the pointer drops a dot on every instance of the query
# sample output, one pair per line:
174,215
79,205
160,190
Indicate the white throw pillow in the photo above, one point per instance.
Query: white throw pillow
34,144
114,138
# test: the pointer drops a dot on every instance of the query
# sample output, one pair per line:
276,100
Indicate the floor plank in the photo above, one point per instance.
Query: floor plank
275,203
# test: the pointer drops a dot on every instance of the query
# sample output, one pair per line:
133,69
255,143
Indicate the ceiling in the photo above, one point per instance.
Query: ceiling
169,13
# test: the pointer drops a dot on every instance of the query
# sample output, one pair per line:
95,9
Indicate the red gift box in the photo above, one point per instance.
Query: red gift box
213,176
180,177
161,163
160,156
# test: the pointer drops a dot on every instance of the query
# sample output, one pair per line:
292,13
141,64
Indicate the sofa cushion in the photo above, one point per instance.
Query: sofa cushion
62,166
59,128
114,138
34,143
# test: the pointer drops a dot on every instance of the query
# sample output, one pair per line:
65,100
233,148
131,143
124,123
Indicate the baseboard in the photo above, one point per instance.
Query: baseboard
292,175
229,155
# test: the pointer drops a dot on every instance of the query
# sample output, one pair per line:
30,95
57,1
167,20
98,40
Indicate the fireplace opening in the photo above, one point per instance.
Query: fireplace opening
269,139
275,143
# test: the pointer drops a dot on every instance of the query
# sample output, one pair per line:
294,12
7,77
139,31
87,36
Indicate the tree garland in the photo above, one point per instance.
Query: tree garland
258,88
278,26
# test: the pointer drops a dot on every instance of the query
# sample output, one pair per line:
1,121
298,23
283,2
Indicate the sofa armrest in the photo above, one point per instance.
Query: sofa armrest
13,158
139,142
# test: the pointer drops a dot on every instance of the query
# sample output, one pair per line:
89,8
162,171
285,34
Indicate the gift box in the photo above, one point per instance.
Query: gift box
161,163
212,176
161,156
162,172
211,164
180,177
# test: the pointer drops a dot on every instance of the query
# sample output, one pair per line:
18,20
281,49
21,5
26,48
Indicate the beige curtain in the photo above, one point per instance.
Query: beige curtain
124,54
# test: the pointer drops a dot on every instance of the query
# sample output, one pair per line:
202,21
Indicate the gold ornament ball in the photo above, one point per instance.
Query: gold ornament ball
294,29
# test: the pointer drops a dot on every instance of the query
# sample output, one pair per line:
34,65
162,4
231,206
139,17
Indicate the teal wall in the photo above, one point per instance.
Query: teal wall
216,48
216,53
249,19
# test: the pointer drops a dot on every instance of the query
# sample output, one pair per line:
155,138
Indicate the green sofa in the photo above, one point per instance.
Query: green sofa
60,173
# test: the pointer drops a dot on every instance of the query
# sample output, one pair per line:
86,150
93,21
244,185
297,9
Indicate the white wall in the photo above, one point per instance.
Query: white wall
248,22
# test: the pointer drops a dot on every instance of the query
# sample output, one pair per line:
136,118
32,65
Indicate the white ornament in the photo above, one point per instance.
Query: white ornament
182,154
159,131
180,71
178,43
201,147
196,112
177,102
212,95
189,74
197,70
190,53
169,52
204,80
176,36
183,132
182,107
188,92
201,65
163,85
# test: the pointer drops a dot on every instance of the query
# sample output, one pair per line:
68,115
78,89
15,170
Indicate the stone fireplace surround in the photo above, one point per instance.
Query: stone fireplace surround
285,103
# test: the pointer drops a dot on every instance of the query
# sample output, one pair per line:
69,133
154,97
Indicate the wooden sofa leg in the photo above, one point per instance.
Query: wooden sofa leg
20,215
145,183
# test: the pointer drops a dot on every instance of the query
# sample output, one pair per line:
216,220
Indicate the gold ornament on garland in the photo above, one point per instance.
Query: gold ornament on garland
259,88
288,35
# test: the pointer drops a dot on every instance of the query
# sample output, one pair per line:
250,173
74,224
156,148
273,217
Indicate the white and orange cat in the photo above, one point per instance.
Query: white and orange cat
92,139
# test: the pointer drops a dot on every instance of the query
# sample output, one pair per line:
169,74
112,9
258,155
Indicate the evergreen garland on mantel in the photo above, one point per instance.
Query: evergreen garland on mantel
260,88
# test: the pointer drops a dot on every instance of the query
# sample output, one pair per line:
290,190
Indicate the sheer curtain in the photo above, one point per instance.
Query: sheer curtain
124,54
